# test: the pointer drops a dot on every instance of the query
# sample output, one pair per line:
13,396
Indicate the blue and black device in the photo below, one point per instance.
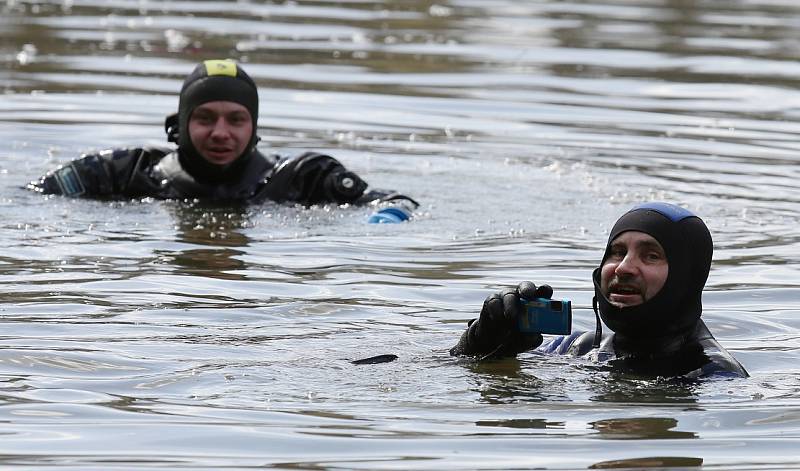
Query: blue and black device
546,316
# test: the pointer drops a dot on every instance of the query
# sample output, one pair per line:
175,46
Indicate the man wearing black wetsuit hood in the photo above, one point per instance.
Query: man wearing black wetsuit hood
216,158
648,291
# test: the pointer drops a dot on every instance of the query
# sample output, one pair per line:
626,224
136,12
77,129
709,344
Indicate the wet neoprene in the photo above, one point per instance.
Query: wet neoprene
676,308
214,80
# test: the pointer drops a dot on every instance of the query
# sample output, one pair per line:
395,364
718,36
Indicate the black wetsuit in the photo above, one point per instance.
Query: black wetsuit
692,355
663,336
184,173
696,354
308,178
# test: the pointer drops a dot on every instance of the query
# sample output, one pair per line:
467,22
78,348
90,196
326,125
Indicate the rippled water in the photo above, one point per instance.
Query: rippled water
159,335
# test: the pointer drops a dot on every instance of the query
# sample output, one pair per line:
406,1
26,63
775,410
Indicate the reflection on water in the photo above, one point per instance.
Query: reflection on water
520,423
662,462
219,229
639,428
503,381
162,334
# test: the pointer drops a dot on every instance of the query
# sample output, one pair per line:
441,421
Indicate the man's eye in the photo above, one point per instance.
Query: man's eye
617,252
654,256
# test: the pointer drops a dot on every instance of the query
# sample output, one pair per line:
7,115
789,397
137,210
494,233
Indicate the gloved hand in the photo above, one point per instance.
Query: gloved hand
392,209
495,333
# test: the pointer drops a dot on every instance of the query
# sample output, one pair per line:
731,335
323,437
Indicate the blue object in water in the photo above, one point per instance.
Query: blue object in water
389,215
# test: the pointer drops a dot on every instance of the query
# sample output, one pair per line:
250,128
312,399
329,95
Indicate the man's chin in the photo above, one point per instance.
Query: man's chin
219,159
623,301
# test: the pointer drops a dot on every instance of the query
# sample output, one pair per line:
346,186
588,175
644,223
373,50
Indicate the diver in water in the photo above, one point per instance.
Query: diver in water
648,288
216,158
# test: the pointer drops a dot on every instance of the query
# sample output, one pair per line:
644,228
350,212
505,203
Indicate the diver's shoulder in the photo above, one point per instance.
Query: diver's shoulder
156,150
266,159
720,361
120,158
128,151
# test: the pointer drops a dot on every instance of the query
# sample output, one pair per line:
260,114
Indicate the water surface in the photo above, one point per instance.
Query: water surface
164,335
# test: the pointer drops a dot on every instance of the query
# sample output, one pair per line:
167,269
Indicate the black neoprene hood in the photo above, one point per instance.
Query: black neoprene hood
677,306
215,80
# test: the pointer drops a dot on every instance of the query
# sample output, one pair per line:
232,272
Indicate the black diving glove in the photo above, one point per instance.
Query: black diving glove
495,333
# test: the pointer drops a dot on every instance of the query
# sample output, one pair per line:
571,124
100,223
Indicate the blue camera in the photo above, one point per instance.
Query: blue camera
546,316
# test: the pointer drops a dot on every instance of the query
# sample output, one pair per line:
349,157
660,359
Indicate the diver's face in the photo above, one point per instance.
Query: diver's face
635,270
220,131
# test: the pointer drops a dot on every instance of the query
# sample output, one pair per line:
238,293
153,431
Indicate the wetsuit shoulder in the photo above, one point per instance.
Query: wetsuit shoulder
693,355
721,363
107,173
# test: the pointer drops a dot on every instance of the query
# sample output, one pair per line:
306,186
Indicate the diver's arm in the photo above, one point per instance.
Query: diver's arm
106,173
313,178
494,333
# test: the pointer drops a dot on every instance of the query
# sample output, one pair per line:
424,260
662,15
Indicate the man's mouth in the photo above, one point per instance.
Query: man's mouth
219,153
624,289
624,294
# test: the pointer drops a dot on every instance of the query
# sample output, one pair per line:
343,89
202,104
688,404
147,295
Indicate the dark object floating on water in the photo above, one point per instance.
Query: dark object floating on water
375,360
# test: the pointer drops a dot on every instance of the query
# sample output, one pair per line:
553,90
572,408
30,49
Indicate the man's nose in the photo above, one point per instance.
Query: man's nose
627,265
220,128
